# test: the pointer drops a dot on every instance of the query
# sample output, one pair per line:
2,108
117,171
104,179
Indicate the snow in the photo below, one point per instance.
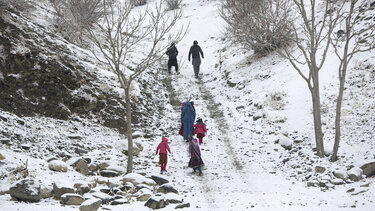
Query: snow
90,202
138,179
244,169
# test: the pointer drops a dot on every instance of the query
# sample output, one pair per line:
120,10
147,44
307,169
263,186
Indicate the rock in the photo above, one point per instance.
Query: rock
90,205
109,173
103,165
120,201
71,199
365,185
2,157
156,202
167,188
60,190
26,190
105,198
82,189
312,183
105,190
93,167
257,116
320,169
174,198
5,141
49,159
144,194
75,136
355,174
26,146
142,186
285,142
137,179
337,181
58,165
46,191
341,174
350,190
369,169
359,192
81,166
160,180
183,205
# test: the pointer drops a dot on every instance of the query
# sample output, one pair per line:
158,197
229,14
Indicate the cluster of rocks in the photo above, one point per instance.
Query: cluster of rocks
155,191
310,169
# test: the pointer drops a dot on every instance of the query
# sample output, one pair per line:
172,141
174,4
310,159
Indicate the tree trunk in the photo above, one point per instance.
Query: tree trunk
338,120
317,116
129,130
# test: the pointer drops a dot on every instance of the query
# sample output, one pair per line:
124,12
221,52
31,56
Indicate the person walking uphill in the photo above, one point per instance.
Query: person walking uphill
195,161
196,52
163,149
187,119
200,130
172,52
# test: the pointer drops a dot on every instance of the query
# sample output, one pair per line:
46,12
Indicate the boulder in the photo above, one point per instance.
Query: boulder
26,190
167,188
183,205
341,174
156,202
60,190
142,186
90,205
369,169
144,194
137,179
71,199
109,173
160,180
46,191
82,189
58,165
355,174
174,198
93,167
285,142
81,166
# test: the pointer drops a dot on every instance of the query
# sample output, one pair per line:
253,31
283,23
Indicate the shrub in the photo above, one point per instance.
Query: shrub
138,2
173,4
261,25
19,5
75,17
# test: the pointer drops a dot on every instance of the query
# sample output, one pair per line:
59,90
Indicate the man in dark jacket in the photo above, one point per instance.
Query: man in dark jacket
172,52
196,52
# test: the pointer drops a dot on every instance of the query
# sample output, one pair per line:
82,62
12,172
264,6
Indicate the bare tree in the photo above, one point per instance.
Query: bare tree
311,41
130,43
357,35
261,25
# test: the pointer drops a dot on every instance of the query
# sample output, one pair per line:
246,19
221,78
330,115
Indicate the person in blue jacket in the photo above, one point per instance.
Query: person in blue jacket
187,119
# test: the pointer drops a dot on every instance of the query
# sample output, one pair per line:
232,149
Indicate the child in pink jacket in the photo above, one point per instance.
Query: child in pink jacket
163,149
200,130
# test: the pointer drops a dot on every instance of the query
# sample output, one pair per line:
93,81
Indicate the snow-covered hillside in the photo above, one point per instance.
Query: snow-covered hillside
258,153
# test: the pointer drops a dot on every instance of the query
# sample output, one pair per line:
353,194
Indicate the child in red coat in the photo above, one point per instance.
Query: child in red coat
200,130
163,149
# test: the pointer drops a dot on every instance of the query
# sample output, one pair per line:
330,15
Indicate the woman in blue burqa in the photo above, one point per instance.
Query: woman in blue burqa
187,119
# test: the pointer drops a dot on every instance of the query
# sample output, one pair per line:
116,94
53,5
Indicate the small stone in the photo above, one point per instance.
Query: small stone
2,157
26,146
341,174
60,190
120,201
350,190
5,141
